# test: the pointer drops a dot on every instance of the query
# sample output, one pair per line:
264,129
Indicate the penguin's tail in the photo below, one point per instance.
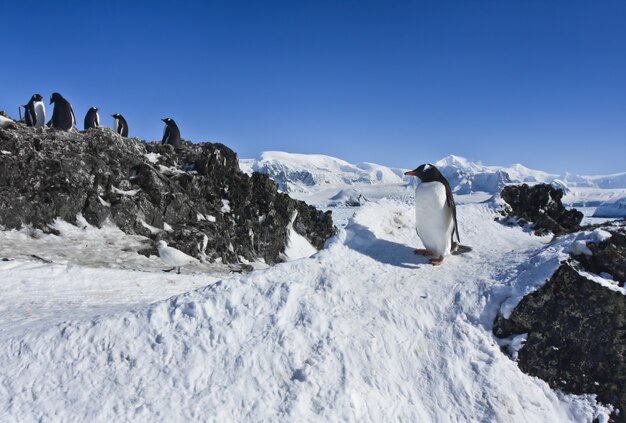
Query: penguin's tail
458,249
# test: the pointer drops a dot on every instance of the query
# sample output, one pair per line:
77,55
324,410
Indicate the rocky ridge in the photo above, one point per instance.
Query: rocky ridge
575,326
540,204
195,197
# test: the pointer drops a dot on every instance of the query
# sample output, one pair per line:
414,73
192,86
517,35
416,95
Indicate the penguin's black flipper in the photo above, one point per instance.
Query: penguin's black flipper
452,206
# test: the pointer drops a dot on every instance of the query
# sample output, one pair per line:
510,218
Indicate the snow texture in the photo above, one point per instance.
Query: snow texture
363,330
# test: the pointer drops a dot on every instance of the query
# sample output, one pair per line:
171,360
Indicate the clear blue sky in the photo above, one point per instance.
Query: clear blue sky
398,83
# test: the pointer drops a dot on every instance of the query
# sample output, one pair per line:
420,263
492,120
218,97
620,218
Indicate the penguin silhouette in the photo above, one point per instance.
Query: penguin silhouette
171,133
92,120
35,112
62,116
120,125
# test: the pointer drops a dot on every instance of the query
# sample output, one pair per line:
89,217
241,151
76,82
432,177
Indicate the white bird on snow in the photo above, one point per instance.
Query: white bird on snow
173,257
5,121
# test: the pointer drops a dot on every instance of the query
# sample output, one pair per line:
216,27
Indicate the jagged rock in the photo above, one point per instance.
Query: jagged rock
576,336
608,256
541,204
194,197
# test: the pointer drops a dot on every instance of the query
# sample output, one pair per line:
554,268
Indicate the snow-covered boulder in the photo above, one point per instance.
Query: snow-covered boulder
575,336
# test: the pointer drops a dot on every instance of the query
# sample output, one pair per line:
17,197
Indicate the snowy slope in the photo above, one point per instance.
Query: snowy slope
362,331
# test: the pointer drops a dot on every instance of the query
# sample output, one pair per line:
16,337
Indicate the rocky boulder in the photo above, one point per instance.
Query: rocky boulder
194,197
607,257
540,204
576,336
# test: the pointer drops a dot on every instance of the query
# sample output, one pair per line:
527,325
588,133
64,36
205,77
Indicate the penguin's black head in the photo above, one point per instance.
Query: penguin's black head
54,97
426,172
116,115
37,97
167,120
95,109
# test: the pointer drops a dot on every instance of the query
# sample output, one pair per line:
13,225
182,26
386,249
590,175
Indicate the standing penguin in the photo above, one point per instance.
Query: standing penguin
435,213
120,126
92,120
171,133
62,116
35,112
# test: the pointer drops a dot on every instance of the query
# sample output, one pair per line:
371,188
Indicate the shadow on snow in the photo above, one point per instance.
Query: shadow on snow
361,239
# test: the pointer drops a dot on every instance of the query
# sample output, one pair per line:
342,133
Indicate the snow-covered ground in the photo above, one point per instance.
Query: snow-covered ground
363,330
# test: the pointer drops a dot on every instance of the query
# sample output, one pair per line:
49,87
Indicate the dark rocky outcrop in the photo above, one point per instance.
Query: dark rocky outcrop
608,256
194,197
576,336
540,204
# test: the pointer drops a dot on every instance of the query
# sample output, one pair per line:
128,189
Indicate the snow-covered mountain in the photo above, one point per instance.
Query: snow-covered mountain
311,172
314,172
466,177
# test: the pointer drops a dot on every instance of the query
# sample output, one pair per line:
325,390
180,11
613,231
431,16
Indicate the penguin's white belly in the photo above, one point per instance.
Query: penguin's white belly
433,218
40,114
116,126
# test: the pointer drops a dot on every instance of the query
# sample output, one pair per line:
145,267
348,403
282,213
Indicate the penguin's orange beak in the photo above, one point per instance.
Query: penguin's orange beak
410,172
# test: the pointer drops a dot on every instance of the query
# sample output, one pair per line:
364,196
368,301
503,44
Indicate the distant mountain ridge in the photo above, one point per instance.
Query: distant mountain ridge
311,172
307,172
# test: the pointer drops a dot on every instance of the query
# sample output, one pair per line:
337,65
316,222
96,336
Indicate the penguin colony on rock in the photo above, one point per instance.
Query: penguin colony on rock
63,119
435,210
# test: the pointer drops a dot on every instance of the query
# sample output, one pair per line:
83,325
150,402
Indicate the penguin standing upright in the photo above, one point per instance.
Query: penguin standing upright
435,213
171,133
62,116
35,112
120,126
92,120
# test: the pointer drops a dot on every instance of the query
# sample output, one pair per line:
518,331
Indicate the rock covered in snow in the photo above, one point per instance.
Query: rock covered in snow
612,208
605,254
541,204
576,336
151,189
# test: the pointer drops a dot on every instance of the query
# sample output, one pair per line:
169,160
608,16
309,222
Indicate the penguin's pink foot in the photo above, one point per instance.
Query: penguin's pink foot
423,252
436,261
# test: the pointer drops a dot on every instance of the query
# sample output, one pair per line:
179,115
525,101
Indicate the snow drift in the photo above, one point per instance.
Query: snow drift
362,331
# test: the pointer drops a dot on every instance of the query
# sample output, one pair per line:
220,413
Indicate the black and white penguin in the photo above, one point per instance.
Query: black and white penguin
35,112
92,120
171,133
62,116
435,213
120,126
